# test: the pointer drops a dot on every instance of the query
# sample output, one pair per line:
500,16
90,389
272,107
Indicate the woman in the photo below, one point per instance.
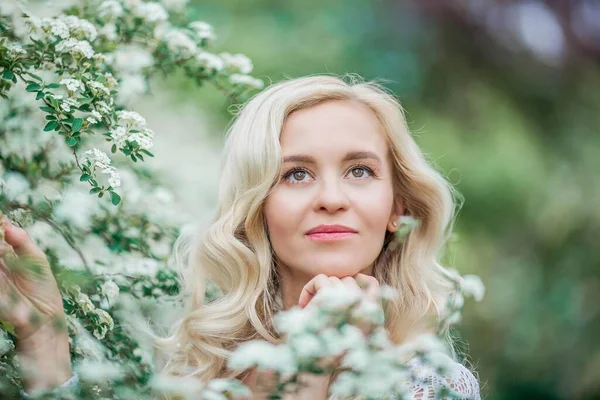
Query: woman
317,173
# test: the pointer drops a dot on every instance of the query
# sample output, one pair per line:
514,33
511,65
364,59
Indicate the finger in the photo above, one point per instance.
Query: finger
311,288
369,283
335,281
20,241
350,282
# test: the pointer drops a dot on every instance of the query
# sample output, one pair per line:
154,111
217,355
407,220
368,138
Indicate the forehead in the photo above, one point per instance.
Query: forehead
333,127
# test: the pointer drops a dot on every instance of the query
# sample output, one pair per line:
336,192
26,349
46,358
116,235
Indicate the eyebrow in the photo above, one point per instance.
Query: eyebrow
353,155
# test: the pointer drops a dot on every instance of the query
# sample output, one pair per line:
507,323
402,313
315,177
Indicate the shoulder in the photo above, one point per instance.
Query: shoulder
454,376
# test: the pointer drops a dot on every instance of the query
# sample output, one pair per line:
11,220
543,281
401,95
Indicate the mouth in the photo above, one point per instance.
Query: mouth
330,232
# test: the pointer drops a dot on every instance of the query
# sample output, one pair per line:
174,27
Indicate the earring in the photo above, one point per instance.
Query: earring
395,224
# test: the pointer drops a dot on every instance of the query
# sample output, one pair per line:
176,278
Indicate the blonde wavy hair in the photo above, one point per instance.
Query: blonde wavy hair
235,254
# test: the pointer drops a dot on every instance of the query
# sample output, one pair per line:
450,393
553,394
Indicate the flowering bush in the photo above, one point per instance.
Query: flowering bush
66,82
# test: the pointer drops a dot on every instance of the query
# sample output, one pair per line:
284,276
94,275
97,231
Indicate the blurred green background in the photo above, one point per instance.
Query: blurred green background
504,97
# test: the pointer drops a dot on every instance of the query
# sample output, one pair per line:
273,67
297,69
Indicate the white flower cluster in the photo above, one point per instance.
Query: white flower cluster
202,30
110,9
72,85
80,28
105,321
180,43
150,12
375,366
132,127
237,63
77,48
76,34
100,160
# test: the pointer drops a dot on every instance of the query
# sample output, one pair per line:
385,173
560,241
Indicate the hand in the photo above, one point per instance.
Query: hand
358,281
29,295
367,284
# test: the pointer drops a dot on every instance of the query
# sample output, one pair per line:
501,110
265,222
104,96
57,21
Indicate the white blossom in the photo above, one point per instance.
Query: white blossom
131,119
132,59
72,84
83,300
98,158
6,344
94,371
67,103
110,9
472,285
98,87
109,31
150,12
53,26
15,186
237,62
114,180
174,5
94,117
239,79
80,28
15,49
75,199
202,30
110,289
180,43
306,346
337,298
211,62
265,355
111,82
75,47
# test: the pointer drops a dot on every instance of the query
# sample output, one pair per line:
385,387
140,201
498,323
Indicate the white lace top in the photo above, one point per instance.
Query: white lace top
459,379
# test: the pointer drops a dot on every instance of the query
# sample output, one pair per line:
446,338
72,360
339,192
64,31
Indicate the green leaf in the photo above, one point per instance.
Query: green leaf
85,100
48,109
34,76
133,158
147,152
72,141
115,198
85,178
95,190
77,123
100,194
51,117
33,87
53,86
7,74
40,95
50,126
113,149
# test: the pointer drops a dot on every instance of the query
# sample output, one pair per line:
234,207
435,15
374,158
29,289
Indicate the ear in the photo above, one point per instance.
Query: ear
397,211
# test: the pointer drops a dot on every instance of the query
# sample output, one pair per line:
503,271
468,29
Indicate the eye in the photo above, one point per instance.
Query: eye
296,175
361,171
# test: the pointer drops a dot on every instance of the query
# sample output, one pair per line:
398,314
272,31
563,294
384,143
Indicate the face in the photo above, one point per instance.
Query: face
334,202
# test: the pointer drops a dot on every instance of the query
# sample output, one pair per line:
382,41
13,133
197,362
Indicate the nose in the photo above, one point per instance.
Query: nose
330,196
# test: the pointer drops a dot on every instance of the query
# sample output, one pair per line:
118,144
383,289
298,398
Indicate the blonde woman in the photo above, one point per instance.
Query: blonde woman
317,173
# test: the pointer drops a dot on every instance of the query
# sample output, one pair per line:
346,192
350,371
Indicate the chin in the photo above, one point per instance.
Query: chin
339,268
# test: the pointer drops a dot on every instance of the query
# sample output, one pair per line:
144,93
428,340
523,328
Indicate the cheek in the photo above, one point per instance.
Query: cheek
282,214
375,207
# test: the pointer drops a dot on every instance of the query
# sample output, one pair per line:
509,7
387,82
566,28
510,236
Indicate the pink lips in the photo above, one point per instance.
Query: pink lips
330,232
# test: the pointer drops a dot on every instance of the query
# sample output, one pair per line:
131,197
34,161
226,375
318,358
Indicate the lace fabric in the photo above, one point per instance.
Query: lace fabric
430,383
